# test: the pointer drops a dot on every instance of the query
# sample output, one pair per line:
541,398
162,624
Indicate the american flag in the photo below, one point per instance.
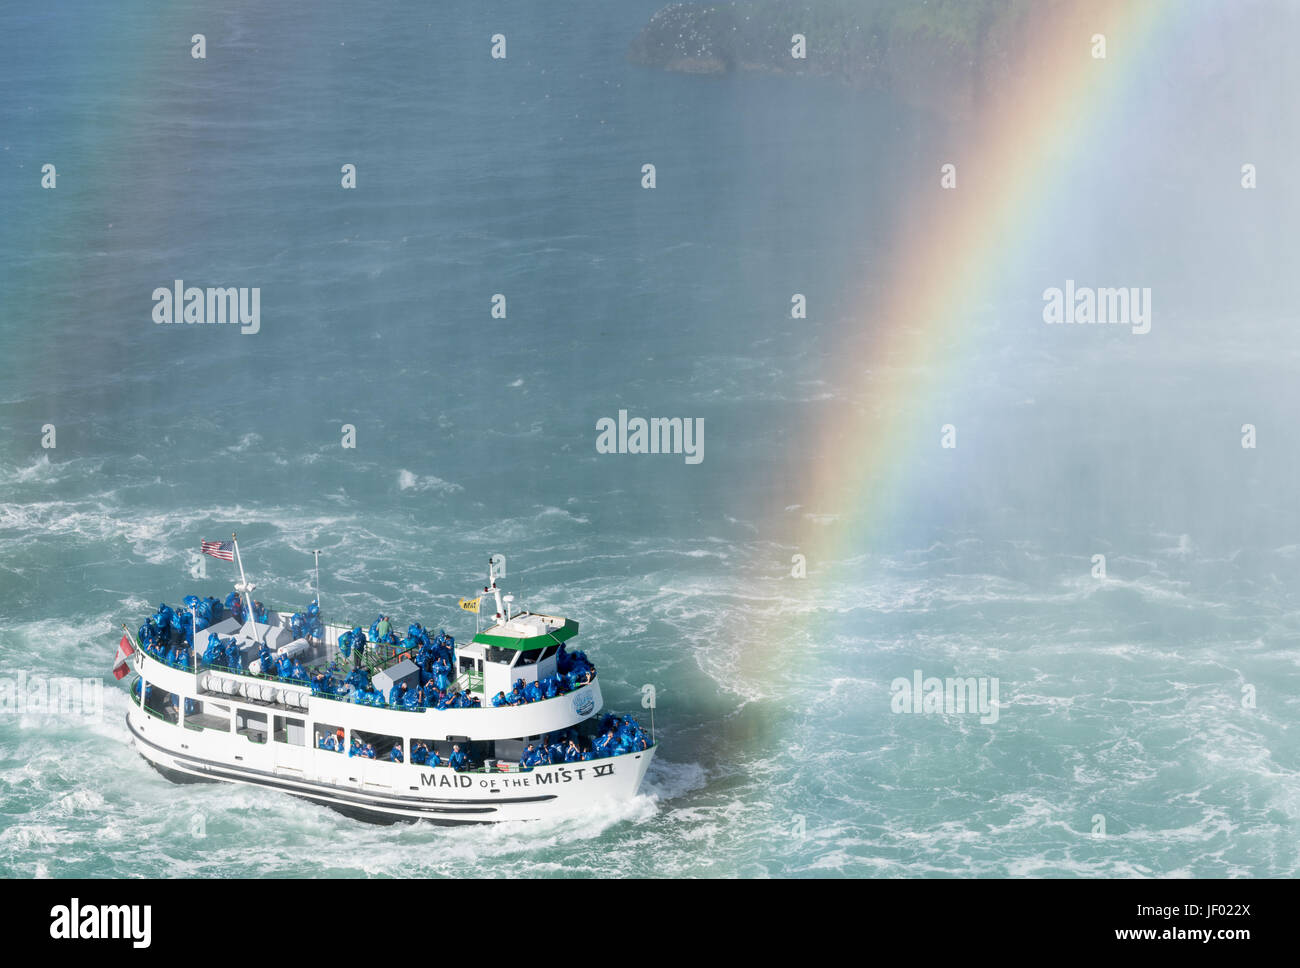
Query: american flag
225,550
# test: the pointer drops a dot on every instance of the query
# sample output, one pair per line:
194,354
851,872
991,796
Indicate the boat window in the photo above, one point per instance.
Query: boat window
201,714
527,658
380,743
291,731
547,652
164,705
509,750
476,751
500,655
251,725
334,734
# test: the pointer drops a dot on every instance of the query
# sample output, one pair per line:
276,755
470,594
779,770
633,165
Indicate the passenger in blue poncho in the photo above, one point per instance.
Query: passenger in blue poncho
396,753
434,758
396,693
532,692
457,760
184,624
214,653
499,699
297,672
419,754
234,661
571,753
528,758
235,606
266,660
284,667
550,687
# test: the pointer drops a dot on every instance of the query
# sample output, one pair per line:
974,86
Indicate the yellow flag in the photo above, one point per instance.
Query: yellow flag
470,604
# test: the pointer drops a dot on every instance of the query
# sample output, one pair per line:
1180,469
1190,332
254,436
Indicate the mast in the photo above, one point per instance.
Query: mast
246,589
492,582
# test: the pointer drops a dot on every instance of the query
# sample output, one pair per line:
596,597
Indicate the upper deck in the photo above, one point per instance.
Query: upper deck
480,671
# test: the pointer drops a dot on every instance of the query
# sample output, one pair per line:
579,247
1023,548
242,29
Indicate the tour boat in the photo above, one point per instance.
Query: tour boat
336,724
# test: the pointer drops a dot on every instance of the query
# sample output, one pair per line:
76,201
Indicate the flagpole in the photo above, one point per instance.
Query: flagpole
135,644
247,590
317,554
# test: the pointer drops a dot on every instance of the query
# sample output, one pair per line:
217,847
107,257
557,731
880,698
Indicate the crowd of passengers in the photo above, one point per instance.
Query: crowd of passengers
572,669
421,755
168,635
434,657
616,736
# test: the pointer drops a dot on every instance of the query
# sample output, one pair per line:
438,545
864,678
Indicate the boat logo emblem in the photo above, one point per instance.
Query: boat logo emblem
584,704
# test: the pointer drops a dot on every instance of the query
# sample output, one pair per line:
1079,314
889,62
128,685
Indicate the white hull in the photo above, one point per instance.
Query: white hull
383,791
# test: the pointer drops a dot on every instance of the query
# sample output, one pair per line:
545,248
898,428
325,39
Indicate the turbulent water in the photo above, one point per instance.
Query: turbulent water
1161,699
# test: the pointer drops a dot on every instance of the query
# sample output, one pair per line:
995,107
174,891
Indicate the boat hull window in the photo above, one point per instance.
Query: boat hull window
291,731
251,725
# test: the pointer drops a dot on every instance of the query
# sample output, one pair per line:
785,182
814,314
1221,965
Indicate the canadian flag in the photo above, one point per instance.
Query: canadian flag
124,649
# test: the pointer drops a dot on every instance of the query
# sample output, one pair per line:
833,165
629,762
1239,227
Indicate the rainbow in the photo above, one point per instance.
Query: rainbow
899,353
